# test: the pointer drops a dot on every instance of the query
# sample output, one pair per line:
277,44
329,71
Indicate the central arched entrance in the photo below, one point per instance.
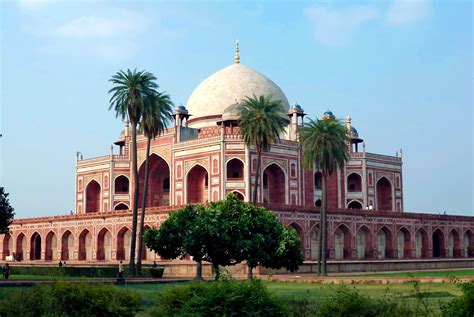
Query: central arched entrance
67,246
274,184
158,182
438,244
51,246
35,247
384,194
197,185
93,197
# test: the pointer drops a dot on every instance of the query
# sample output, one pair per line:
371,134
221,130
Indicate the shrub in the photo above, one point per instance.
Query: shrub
156,272
463,305
70,299
80,271
220,298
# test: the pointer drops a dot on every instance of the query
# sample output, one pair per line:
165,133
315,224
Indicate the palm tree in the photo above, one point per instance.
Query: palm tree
324,144
130,92
261,124
156,117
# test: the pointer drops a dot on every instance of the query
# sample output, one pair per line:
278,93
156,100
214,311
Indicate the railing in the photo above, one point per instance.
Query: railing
383,157
93,160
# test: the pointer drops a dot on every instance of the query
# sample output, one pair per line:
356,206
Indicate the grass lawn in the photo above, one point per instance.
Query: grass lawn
463,272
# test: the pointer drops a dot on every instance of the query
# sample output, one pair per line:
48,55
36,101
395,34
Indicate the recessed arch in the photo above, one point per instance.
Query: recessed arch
314,243
354,182
299,232
51,246
21,247
354,204
67,246
122,184
454,244
421,244
104,245
238,194
438,244
364,242
403,243
158,182
7,245
35,247
468,243
383,189
342,242
121,206
274,184
93,193
384,243
85,246
197,184
124,238
235,169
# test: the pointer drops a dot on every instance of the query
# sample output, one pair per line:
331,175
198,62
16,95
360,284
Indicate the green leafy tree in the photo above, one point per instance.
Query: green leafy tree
156,116
261,124
131,92
324,144
6,211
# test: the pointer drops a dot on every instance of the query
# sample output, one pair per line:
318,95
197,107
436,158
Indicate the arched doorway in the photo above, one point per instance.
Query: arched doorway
51,246
403,243
235,169
93,197
384,194
35,247
354,205
85,246
454,249
438,244
67,246
342,243
122,185
300,234
384,243
421,244
197,185
314,244
354,183
124,239
468,244
7,246
158,182
363,243
20,247
121,206
104,245
274,185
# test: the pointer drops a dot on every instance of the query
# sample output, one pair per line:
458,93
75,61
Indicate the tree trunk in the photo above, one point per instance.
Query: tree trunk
320,242
257,175
142,220
135,199
324,235
199,270
216,272
249,272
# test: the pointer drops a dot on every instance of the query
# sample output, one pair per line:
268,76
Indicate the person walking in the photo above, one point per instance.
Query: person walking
6,271
120,278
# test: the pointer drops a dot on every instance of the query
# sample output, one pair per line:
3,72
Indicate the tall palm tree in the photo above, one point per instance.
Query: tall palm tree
130,92
156,116
324,144
261,124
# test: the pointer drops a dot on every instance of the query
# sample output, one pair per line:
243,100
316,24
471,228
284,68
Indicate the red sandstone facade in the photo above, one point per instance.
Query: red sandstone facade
202,159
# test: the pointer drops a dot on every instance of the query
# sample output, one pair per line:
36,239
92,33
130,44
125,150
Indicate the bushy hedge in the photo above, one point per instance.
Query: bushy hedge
80,271
462,306
70,299
220,298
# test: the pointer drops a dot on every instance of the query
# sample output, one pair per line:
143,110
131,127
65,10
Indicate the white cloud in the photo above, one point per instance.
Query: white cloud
406,12
337,26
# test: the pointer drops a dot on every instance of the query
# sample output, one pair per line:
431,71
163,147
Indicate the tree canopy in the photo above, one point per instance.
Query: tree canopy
6,211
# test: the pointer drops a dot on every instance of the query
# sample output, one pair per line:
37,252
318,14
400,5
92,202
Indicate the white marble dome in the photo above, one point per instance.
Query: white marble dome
229,86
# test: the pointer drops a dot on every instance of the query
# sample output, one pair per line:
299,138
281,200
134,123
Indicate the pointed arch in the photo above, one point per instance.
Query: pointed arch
51,246
421,244
235,169
35,246
124,238
354,204
158,181
21,247
274,184
67,246
197,184
364,242
468,243
122,184
314,243
299,232
104,245
403,243
342,242
93,195
354,182
7,245
454,244
384,243
85,245
383,189
438,244
121,206
239,194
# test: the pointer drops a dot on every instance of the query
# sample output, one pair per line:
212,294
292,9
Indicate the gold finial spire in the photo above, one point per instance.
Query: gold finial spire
237,57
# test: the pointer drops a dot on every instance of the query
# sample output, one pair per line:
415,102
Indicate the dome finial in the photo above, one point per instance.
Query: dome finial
237,57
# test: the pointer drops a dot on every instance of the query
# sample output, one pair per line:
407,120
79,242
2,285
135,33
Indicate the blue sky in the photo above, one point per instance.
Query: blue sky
402,70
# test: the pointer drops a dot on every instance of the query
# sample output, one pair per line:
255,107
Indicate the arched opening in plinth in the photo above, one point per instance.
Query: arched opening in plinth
299,232
355,204
314,243
85,246
104,245
438,244
147,254
121,206
454,244
354,183
274,182
158,193
421,244
7,246
20,247
93,197
67,246
235,170
122,185
384,194
363,243
197,185
238,195
403,244
51,246
35,247
124,241
384,243
342,243
468,244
